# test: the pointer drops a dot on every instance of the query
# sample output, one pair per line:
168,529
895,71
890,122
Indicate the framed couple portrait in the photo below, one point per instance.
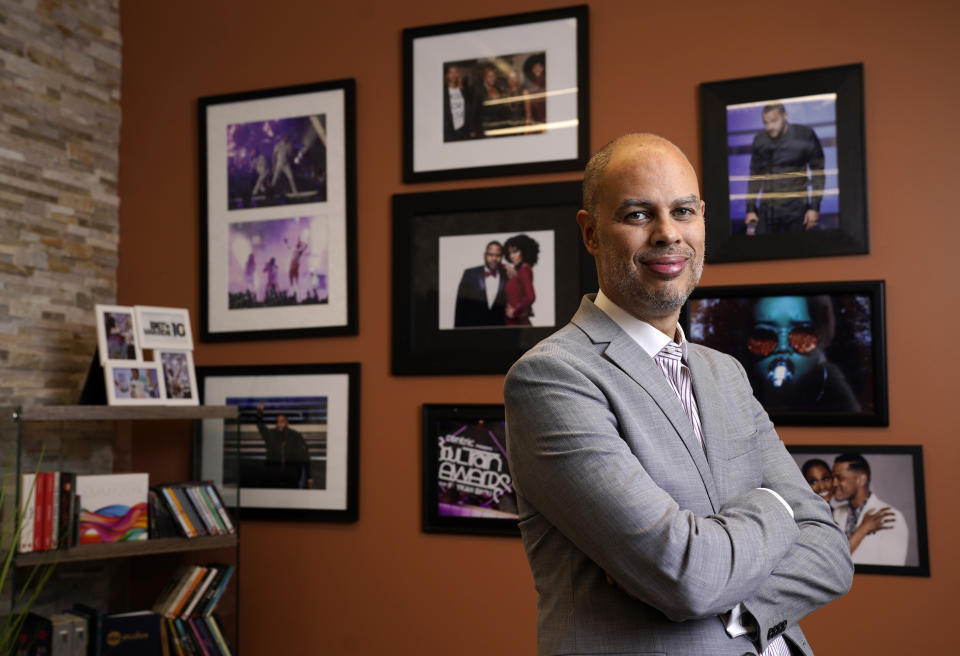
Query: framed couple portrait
278,213
467,487
498,96
784,165
481,275
814,353
296,454
876,494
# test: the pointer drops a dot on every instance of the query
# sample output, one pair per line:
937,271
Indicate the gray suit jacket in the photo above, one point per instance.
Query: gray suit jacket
611,478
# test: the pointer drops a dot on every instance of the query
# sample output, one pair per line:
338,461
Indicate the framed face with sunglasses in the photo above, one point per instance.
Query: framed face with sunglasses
815,353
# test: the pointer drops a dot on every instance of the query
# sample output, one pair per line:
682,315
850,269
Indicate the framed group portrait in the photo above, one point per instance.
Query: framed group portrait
467,486
815,353
497,96
784,165
481,275
876,495
278,213
296,454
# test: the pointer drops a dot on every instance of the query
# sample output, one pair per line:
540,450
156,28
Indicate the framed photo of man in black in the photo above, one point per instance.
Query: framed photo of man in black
296,453
783,165
467,487
481,275
815,353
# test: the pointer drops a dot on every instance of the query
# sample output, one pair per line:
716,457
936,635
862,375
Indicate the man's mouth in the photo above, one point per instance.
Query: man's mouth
667,266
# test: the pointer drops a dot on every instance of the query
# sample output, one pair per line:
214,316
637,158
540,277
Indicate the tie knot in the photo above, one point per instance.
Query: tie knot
671,351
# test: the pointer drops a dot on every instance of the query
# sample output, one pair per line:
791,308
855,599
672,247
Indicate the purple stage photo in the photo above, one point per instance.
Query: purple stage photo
277,162
277,262
473,477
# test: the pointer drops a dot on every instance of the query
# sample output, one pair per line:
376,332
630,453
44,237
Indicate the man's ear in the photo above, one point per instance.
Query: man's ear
588,230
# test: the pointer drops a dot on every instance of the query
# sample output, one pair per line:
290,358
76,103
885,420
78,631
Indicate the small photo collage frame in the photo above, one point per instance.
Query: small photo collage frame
168,376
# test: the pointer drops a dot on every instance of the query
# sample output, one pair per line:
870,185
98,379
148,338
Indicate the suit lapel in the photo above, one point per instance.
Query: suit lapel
630,358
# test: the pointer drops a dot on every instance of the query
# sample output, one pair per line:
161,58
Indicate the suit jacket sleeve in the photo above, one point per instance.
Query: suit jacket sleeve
573,466
817,568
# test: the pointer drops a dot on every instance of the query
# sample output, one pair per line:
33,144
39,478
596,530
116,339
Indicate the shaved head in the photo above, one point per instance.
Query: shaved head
593,173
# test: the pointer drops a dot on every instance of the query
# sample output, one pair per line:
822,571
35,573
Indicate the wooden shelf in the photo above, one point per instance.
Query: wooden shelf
126,549
126,412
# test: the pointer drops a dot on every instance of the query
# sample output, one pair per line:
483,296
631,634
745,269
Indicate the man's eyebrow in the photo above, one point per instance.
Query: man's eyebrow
685,200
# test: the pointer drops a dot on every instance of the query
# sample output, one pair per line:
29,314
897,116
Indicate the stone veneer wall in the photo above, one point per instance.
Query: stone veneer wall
59,149
59,232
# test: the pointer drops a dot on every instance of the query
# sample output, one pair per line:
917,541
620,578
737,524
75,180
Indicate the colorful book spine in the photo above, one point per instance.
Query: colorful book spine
221,508
178,512
217,634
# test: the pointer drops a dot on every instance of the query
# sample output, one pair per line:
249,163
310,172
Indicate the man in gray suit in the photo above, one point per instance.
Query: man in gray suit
660,512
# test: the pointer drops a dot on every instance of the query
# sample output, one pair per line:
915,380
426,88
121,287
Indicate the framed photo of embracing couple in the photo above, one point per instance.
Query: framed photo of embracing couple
481,275
877,497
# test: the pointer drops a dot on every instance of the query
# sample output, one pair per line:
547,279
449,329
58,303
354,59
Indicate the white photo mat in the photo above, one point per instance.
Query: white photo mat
336,387
163,328
557,38
333,212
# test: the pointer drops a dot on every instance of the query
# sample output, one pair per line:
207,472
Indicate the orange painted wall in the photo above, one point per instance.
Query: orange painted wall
382,586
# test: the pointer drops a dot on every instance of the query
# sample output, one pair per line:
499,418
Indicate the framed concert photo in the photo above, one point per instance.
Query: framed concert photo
179,376
278,213
815,353
876,494
298,453
784,165
467,487
117,336
498,96
481,275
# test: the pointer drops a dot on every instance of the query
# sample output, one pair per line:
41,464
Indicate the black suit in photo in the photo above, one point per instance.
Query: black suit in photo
472,309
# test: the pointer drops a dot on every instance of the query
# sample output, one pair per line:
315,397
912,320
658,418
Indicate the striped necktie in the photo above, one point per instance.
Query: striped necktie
670,361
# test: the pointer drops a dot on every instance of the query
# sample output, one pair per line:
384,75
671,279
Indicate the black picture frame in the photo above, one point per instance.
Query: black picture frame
294,230
492,139
321,402
841,381
828,102
467,486
904,491
428,262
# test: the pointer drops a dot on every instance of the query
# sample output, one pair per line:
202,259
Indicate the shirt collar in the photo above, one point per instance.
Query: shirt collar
649,338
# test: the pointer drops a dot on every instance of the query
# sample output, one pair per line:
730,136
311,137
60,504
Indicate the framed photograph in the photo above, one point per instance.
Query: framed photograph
815,353
877,497
179,376
481,275
499,96
164,328
299,439
134,383
784,165
467,487
278,213
117,334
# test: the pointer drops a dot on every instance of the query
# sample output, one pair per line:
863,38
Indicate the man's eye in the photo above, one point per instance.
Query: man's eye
639,215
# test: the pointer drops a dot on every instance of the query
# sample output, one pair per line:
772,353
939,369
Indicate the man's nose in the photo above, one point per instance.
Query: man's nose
664,230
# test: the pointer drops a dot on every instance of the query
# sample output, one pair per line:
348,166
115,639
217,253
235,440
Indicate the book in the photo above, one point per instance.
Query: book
40,514
162,523
221,526
214,495
193,492
92,618
131,634
65,517
218,636
222,582
62,641
36,636
28,505
186,638
187,508
198,638
193,580
53,536
114,507
177,512
198,592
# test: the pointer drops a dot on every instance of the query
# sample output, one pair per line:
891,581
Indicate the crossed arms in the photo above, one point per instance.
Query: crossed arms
593,454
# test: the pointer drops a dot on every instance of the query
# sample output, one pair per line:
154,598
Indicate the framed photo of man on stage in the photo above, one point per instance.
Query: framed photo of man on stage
783,165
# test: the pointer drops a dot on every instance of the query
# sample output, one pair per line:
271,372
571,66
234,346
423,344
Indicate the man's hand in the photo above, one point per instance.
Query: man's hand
810,219
752,220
